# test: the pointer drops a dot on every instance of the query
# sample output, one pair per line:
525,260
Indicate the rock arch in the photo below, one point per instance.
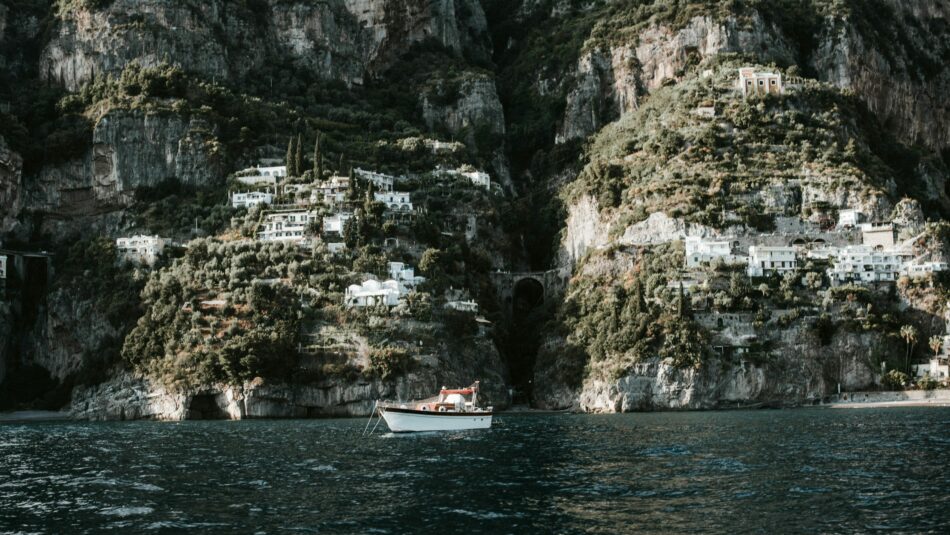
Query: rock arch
509,285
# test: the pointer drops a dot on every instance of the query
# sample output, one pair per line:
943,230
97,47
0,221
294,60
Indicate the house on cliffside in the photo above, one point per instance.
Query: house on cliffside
757,83
767,260
140,249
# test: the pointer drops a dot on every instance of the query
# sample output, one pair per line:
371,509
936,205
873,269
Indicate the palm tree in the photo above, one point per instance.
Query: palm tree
936,343
909,334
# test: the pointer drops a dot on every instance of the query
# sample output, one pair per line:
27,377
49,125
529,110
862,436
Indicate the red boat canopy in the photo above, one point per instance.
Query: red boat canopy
467,391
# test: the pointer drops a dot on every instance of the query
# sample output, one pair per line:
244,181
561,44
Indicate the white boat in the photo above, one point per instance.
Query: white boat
451,410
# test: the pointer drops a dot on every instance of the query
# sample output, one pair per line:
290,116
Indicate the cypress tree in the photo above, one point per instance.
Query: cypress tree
317,159
289,159
298,157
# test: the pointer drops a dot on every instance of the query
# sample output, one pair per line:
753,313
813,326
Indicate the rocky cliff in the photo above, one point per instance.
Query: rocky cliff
892,54
337,40
625,133
128,397
807,372
11,187
612,77
887,51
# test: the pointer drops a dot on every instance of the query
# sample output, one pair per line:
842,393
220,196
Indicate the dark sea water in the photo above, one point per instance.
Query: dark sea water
794,471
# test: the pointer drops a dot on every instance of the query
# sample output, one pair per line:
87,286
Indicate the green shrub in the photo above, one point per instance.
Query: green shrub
895,380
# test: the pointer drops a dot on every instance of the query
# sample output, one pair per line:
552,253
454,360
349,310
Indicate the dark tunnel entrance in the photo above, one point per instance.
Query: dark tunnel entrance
206,407
524,337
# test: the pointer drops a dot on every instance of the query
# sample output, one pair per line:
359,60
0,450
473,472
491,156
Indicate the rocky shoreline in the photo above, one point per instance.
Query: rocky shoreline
129,397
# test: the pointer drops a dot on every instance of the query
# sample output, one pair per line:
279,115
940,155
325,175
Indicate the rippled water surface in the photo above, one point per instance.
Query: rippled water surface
805,471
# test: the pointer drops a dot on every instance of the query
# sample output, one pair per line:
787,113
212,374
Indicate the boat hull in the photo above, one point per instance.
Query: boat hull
408,420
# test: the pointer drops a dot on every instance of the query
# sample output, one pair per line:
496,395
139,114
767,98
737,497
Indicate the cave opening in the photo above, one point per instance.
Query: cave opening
524,336
205,407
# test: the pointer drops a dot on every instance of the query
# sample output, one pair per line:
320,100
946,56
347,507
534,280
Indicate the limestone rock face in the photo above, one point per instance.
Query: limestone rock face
336,39
68,334
476,108
11,186
584,230
475,117
126,397
903,81
805,372
130,149
589,228
100,42
611,80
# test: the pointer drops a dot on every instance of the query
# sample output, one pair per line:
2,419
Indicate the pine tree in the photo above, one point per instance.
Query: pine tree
289,159
317,159
298,157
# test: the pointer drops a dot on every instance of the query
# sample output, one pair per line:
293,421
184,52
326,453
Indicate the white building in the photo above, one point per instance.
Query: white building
700,252
335,222
406,275
262,175
394,200
849,218
878,235
373,292
707,111
336,247
479,179
288,225
463,306
333,191
937,369
922,269
3,267
140,249
766,260
251,198
381,181
862,263
752,82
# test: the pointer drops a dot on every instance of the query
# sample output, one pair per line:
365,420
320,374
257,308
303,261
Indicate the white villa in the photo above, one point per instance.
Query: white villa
140,249
766,260
700,252
252,198
262,175
862,263
463,306
922,269
332,191
336,247
3,267
289,225
406,275
394,200
373,292
335,222
937,368
381,181
479,179
752,82
878,235
849,218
